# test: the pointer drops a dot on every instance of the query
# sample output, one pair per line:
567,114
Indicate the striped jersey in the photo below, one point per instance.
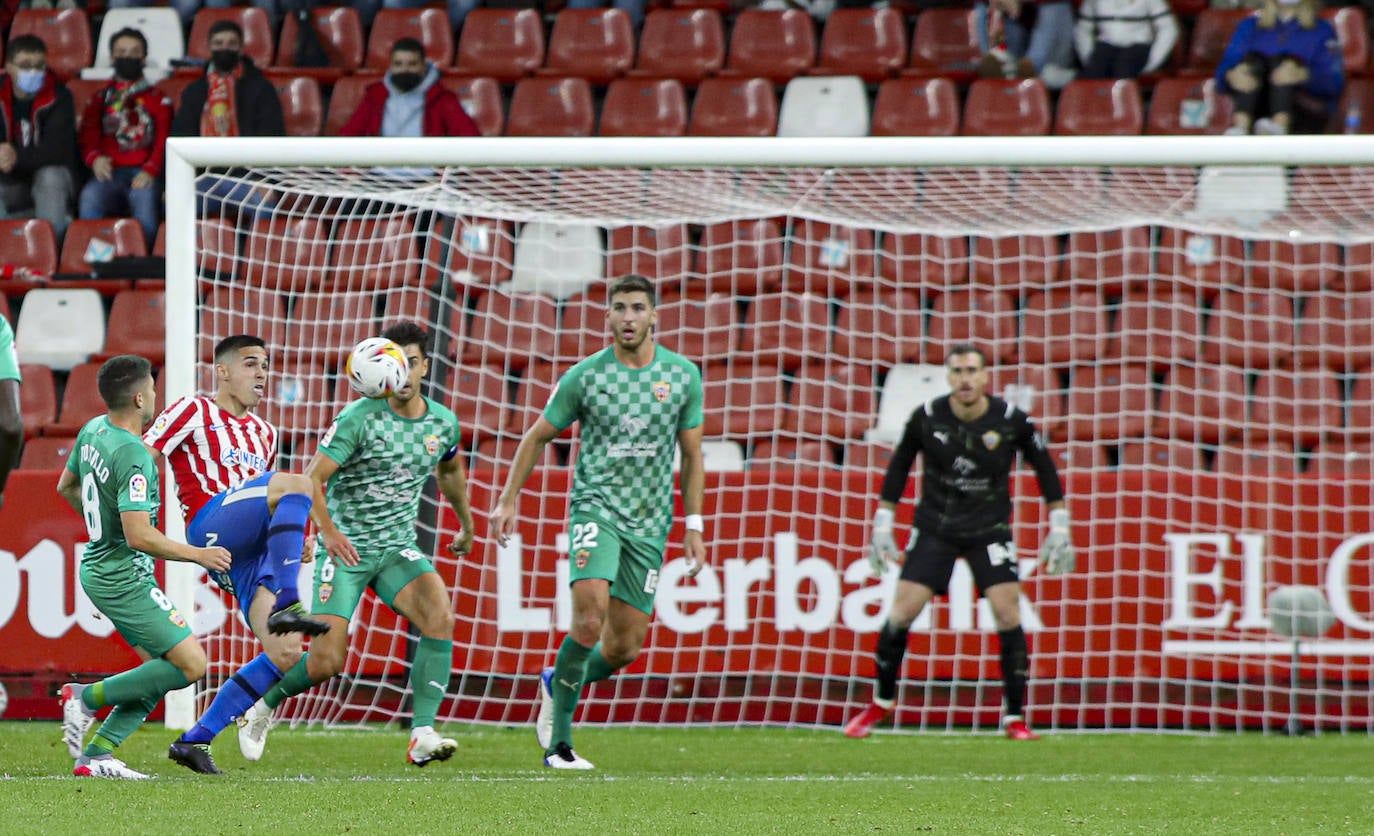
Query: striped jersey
210,450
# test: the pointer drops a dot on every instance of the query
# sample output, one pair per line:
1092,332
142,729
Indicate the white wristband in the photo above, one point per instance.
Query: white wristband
883,518
695,523
1059,519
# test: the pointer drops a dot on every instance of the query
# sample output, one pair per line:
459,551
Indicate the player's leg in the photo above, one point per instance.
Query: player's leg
425,603
562,684
631,605
288,502
996,574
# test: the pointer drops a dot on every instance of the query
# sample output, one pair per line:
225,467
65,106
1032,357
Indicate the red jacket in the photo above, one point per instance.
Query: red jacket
444,115
145,145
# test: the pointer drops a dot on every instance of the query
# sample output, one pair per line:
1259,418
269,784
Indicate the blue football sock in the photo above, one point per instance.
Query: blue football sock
285,541
235,696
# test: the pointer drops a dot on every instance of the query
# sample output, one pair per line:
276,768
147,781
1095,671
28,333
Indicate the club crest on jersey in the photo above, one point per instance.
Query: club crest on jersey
991,439
326,589
581,558
432,444
138,488
662,390
175,617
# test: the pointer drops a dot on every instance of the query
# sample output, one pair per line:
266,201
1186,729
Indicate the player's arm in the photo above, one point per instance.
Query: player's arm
1056,552
531,448
11,429
693,476
882,545
453,484
141,534
336,543
70,489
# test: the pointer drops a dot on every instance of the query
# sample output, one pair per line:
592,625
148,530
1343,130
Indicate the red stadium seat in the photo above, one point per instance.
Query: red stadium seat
1294,267
1000,107
1015,263
1352,31
1277,459
344,100
512,330
1107,107
27,243
124,234
65,32
778,45
985,318
37,398
137,325
82,89
734,107
1337,332
551,107
1342,458
258,42
80,401
1201,404
829,259
480,252
302,398
869,43
1063,326
481,399
1079,456
582,326
1188,106
1302,406
685,44
47,453
1110,260
340,32
785,329
1158,328
1041,391
505,44
302,104
288,254
657,252
595,44
867,456
1252,329
231,309
1109,402
173,86
883,328
746,404
1359,424
373,255
832,401
325,326
921,262
1212,31
481,99
1201,261
916,107
532,393
788,453
429,26
742,258
1358,95
946,44
1161,453
644,107
704,330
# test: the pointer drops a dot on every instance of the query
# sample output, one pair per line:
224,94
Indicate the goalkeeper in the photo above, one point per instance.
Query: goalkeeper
969,440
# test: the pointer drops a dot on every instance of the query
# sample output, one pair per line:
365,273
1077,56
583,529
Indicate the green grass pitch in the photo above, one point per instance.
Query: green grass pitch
718,781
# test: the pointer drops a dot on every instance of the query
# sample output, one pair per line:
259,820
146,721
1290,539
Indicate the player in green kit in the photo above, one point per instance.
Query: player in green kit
635,400
112,482
370,472
11,418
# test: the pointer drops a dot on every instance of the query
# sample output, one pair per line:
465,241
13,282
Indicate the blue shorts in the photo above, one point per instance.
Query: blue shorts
238,519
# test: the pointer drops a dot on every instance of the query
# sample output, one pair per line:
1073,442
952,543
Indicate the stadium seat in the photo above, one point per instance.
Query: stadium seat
430,26
505,44
559,259
1293,266
340,32
258,41
778,45
123,234
303,397
685,44
985,318
644,107
374,254
37,398
418,303
824,106
82,89
582,326
1358,95
828,259
234,309
717,456
1014,263
60,327
743,258
495,454
1352,31
551,107
1107,107
512,330
27,243
883,327
786,329
479,254
1359,422
1276,459
595,44
916,107
1063,326
1003,107
137,325
324,326
344,100
1110,260
906,387
1199,261
746,404
1079,456
48,453
788,453
1158,328
481,398
1252,329
1336,332
1301,406
1108,402
1212,30
660,253
1039,391
301,103
921,262
80,400
1160,453
1342,458
481,99
704,330
1201,404
867,457
734,107
1188,106
173,86
289,254
833,401
945,44
66,33
869,43
161,25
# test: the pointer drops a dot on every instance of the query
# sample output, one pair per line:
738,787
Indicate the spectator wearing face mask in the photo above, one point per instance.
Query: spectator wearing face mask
123,139
37,137
409,100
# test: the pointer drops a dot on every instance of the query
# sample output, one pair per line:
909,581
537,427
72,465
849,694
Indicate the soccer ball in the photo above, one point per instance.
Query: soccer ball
1300,611
377,368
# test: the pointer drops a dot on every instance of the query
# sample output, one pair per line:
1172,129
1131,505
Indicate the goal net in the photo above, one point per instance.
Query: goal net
1190,325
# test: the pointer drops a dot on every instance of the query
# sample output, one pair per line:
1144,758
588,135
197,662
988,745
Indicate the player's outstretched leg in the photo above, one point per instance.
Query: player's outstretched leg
254,725
105,766
285,542
194,756
543,721
563,757
428,746
76,718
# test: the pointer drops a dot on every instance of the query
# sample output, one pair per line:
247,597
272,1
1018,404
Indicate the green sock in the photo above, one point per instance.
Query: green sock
569,669
295,681
597,666
93,696
123,721
429,675
150,680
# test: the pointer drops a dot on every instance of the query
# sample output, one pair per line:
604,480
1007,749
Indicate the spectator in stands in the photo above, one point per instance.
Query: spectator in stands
1026,38
457,9
233,98
38,154
1124,38
123,138
1283,69
409,100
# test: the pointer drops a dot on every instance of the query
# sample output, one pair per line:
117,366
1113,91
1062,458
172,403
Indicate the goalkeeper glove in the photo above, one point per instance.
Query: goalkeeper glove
1056,553
881,544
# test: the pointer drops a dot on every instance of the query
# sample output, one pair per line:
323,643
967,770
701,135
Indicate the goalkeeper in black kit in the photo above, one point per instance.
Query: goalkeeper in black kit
970,441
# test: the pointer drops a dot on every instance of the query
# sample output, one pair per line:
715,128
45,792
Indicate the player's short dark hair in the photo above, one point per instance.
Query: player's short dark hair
25,43
408,45
224,26
231,345
120,378
408,332
966,348
129,32
631,283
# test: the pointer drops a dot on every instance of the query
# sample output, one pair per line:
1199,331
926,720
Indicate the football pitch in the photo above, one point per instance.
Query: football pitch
719,781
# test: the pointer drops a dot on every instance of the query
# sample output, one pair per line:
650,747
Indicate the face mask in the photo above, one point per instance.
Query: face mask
405,82
225,60
29,82
128,68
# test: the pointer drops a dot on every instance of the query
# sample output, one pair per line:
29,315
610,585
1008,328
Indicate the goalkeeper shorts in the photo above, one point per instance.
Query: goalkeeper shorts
992,558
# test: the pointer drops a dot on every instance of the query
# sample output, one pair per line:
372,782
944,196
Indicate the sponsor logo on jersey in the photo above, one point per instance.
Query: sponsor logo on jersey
329,434
662,389
630,425
432,444
138,488
991,439
964,465
235,456
942,437
161,423
581,558
175,617
326,589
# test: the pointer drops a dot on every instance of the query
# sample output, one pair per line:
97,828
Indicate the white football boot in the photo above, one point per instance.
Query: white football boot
106,766
428,746
254,725
76,718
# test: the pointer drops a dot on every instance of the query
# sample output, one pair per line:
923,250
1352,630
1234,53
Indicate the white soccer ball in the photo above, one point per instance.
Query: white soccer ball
377,368
1300,612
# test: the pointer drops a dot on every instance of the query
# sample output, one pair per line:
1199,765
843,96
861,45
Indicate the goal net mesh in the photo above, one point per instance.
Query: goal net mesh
1196,345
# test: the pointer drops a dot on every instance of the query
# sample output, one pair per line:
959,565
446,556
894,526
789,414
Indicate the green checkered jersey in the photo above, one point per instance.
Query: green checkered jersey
116,474
9,358
384,461
630,419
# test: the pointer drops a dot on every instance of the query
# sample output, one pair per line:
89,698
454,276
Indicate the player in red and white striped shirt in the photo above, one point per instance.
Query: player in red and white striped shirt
221,455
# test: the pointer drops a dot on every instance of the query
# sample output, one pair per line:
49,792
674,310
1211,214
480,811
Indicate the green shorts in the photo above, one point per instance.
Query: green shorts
140,611
599,549
339,588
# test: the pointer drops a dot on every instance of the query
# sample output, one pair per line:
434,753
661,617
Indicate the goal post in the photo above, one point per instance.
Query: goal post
1188,319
